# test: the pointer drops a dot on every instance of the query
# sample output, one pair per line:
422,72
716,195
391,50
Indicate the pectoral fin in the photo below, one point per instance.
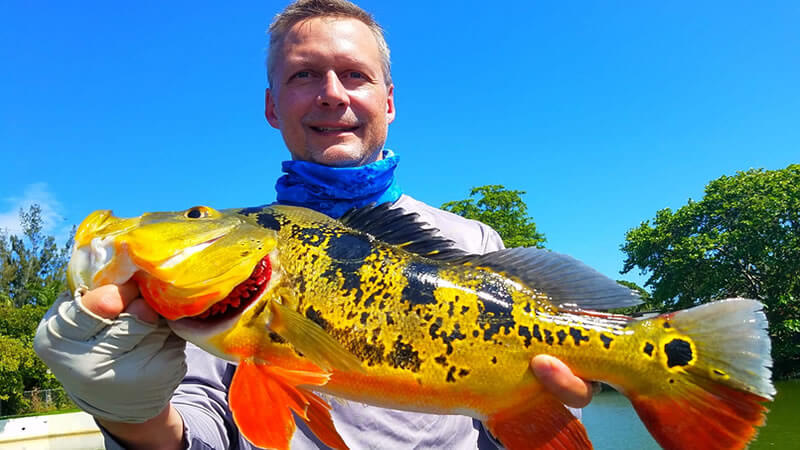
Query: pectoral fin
262,398
311,340
541,423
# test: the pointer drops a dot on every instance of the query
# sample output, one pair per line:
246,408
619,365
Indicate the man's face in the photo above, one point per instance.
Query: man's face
329,97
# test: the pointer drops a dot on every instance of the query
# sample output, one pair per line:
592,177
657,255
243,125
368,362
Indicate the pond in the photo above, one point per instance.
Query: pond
613,424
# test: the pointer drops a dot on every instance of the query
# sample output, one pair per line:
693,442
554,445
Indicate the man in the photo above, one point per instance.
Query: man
332,98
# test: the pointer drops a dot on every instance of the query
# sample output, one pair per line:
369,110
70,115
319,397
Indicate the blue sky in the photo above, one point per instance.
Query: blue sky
603,113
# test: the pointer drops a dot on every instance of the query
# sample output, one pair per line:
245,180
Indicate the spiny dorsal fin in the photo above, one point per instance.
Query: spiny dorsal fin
565,279
403,229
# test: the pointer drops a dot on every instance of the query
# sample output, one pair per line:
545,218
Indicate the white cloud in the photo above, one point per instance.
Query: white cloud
36,193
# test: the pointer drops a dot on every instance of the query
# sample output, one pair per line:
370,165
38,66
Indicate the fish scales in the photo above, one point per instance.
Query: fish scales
349,314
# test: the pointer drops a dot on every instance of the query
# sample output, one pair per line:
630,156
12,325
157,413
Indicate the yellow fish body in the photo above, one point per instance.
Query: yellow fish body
376,309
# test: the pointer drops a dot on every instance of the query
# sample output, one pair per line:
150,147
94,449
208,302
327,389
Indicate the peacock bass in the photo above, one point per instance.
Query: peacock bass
377,308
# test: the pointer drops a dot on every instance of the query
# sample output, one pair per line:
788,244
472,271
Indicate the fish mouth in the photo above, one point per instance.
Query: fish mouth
242,296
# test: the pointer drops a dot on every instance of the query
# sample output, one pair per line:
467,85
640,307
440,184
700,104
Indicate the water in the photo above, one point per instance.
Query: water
613,424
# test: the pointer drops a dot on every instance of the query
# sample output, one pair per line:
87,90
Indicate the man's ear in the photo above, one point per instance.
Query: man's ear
390,113
269,109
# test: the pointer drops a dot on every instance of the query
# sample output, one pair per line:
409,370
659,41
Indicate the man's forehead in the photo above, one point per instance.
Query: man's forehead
345,39
329,28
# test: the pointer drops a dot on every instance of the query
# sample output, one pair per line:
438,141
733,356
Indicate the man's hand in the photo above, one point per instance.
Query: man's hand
559,380
118,361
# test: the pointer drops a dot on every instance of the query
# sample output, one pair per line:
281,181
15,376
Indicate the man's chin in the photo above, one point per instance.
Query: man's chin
345,156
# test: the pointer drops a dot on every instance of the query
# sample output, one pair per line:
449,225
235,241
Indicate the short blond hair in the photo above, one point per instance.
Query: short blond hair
302,10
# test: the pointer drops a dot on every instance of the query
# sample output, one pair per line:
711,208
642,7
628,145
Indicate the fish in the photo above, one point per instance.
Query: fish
377,307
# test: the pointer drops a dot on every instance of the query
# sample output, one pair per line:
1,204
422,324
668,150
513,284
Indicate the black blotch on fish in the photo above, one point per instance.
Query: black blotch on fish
577,336
268,220
314,316
495,305
348,247
369,301
463,372
526,333
309,236
421,283
456,334
679,353
464,309
348,272
667,325
364,317
607,340
403,356
275,337
475,333
359,346
441,359
561,336
648,348
494,359
536,333
389,319
250,210
548,337
450,378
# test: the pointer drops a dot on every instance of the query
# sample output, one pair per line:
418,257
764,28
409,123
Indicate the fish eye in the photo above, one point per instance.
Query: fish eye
198,212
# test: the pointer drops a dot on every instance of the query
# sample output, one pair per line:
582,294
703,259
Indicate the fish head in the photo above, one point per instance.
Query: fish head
184,262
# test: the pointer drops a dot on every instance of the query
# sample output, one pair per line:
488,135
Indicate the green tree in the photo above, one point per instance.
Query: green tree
32,274
741,239
502,209
32,267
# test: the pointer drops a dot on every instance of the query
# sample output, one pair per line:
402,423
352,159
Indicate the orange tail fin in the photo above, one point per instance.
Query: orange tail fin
541,423
716,418
716,379
262,398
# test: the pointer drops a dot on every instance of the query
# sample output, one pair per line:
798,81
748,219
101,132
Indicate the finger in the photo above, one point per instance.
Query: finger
559,380
142,310
110,300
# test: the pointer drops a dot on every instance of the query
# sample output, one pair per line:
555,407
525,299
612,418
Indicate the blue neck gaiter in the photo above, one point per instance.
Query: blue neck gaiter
335,190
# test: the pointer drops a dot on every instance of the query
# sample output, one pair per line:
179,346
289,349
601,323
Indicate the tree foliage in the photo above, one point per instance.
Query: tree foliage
741,239
32,274
502,209
32,267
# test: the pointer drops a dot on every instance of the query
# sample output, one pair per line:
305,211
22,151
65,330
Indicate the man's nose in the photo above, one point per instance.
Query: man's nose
332,92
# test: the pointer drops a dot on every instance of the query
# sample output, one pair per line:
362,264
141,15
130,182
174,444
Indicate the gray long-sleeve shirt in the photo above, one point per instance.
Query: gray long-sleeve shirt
201,399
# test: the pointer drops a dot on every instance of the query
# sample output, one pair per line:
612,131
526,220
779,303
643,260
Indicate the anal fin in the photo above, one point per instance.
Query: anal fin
262,398
541,423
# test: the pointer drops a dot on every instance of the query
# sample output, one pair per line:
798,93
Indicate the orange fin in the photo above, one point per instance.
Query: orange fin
712,398
262,398
712,417
541,423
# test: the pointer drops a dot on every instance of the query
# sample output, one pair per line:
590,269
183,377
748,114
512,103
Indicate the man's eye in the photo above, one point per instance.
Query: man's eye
356,75
302,74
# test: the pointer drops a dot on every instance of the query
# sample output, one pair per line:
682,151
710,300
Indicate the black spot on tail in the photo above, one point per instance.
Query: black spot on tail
648,348
679,353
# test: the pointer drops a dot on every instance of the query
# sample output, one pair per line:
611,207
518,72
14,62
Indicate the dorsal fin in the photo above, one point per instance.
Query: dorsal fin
565,279
403,229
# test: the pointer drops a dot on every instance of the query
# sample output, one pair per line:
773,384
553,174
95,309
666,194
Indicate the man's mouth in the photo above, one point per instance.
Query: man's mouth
333,129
